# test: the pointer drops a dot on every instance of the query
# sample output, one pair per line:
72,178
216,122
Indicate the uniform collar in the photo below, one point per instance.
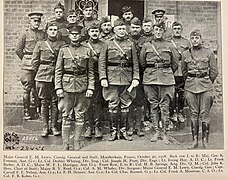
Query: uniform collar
51,39
147,34
77,44
93,41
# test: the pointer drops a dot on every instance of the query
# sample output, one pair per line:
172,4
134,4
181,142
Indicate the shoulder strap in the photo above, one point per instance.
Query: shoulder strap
31,36
72,57
155,50
49,47
175,46
92,49
121,50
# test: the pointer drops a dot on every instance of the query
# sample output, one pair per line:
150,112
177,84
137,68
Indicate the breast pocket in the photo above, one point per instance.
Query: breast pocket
166,54
127,51
203,63
112,52
151,56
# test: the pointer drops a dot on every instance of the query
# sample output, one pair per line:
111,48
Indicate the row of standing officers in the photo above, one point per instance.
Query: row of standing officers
74,68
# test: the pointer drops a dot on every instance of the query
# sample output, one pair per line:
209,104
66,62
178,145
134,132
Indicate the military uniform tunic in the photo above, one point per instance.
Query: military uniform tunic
200,69
24,50
74,76
43,63
119,70
158,78
99,49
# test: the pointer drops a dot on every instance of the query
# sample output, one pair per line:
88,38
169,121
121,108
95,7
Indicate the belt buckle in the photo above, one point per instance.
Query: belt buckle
75,72
122,64
156,65
198,75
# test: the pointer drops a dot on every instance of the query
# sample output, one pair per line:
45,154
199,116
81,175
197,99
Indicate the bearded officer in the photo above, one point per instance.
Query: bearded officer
200,70
119,75
95,111
74,85
24,50
158,58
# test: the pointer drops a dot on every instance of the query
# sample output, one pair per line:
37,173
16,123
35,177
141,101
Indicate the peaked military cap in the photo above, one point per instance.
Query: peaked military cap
158,12
105,19
195,32
126,9
136,21
74,27
118,22
51,24
35,15
59,6
71,11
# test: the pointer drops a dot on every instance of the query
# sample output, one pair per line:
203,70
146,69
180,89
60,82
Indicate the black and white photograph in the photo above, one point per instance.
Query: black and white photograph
115,75
113,89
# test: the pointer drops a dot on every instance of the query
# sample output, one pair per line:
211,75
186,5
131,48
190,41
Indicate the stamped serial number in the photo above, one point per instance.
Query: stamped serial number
29,138
32,148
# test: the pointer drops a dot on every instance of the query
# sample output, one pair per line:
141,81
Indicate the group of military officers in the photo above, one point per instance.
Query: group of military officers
73,68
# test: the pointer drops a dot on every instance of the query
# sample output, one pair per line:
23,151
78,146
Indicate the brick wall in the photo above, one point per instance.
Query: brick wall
201,15
15,21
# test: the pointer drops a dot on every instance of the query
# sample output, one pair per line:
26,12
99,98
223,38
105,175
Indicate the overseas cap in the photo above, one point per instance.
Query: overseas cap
160,25
74,27
88,5
71,12
59,6
118,22
35,15
146,20
158,12
176,24
94,25
136,21
195,32
105,19
126,9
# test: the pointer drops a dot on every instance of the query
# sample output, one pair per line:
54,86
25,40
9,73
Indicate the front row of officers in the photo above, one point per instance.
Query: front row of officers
76,78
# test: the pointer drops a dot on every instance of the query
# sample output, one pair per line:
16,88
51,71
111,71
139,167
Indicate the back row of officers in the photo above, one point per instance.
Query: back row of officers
73,68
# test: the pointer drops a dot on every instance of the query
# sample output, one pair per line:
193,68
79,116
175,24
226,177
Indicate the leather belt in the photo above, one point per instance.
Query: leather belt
76,72
158,65
28,53
47,63
198,75
121,64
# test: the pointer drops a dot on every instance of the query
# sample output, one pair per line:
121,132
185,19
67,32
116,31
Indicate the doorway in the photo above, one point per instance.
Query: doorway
115,7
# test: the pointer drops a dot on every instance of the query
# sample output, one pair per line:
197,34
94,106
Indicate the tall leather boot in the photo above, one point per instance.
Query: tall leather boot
131,121
205,134
165,123
154,115
54,118
26,103
195,131
113,126
98,133
77,136
45,117
139,119
123,125
88,128
66,127
37,103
